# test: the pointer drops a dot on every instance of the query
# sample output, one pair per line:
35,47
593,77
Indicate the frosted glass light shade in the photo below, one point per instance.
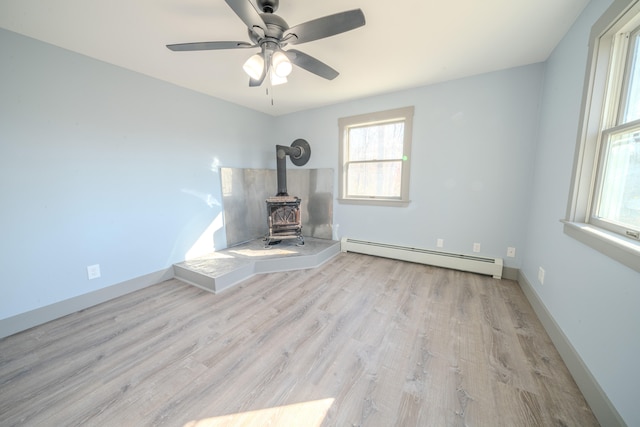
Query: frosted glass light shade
254,66
276,79
281,64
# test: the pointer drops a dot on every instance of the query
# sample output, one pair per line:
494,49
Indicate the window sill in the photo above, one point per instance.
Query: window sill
621,249
375,202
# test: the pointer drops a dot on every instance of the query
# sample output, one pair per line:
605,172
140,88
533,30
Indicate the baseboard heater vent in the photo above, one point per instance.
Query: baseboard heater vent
473,264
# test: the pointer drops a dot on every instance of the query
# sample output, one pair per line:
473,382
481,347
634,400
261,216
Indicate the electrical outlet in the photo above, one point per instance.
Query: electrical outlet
511,252
93,271
541,275
440,243
476,247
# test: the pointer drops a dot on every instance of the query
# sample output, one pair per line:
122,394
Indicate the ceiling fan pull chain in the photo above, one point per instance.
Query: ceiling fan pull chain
267,91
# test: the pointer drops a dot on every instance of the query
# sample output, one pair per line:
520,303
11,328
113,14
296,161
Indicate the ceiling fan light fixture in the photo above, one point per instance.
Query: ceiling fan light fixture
276,79
254,66
281,65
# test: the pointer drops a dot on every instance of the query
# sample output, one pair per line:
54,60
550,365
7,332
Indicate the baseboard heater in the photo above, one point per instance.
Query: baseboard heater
471,263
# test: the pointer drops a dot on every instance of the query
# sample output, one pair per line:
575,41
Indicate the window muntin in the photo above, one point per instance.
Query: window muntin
374,161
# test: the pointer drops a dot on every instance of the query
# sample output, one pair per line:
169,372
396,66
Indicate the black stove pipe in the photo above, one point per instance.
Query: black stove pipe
300,152
281,163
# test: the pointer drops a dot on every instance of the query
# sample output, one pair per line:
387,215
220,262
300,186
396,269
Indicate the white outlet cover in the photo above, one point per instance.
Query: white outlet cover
511,252
476,247
93,271
440,243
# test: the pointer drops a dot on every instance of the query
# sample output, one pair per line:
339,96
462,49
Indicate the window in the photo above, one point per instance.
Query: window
374,157
604,209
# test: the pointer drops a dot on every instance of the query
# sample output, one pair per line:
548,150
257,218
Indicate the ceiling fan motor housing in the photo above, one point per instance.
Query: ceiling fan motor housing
268,6
276,26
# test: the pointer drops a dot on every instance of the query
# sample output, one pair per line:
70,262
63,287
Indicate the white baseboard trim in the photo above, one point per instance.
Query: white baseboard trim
510,273
23,321
598,400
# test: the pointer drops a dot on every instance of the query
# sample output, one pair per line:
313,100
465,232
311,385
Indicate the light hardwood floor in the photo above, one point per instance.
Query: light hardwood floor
358,341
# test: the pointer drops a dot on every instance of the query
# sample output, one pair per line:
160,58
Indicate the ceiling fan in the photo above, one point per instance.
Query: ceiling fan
271,33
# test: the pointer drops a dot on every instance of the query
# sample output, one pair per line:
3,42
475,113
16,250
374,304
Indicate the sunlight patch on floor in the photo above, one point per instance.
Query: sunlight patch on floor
309,414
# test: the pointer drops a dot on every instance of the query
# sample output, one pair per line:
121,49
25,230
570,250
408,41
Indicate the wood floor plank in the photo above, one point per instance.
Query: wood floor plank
359,341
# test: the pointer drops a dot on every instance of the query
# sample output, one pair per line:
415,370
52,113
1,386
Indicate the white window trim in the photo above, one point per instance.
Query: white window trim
576,222
405,113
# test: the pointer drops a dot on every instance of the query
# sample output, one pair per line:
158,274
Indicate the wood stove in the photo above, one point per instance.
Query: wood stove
283,211
284,219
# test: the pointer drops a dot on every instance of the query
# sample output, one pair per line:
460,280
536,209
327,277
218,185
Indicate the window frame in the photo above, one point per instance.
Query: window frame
594,218
404,114
629,66
598,113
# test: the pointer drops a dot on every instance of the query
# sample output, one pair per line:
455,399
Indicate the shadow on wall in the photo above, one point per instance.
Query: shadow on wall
244,194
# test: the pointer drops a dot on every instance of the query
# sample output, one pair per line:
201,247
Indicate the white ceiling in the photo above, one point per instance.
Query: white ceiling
404,44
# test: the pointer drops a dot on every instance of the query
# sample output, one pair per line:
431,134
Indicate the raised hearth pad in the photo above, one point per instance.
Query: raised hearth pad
222,269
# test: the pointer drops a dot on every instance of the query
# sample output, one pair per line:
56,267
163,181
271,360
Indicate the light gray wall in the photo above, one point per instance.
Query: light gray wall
593,299
100,165
471,163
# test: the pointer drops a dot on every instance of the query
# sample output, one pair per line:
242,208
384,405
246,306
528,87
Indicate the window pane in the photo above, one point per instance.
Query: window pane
632,108
620,191
379,179
378,142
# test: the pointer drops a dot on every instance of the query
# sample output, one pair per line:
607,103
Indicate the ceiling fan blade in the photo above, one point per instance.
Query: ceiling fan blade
248,13
181,47
311,64
324,27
